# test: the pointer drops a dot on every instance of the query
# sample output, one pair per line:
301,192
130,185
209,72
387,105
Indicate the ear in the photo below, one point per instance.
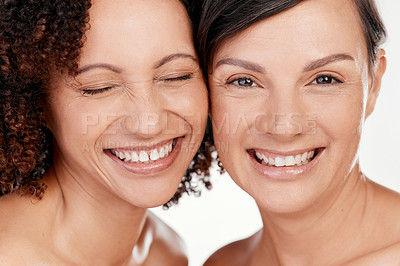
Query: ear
375,86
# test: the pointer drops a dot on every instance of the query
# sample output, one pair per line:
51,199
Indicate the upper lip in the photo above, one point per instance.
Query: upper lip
283,153
142,147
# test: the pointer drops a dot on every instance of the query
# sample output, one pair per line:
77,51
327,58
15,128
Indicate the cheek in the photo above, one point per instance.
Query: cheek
230,124
223,116
341,119
191,106
236,114
76,132
78,126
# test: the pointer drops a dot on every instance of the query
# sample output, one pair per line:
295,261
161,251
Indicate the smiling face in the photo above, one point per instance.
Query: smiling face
289,96
130,122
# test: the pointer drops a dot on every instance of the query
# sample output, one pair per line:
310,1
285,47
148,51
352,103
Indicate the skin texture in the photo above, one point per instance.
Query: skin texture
278,104
95,211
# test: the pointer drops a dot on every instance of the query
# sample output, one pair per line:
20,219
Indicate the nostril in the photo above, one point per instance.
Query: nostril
287,124
282,123
145,123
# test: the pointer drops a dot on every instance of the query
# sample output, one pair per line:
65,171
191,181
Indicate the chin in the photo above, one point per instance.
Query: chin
283,204
149,196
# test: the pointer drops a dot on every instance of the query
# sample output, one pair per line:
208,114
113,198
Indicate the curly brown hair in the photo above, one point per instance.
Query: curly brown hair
38,37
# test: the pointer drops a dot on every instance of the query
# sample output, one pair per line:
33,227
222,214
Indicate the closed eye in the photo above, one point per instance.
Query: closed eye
180,78
96,91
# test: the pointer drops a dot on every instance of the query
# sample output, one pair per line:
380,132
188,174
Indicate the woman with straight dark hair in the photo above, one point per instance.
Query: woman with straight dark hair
291,85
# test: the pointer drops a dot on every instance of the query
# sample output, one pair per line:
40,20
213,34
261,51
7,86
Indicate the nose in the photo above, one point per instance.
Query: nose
145,118
287,115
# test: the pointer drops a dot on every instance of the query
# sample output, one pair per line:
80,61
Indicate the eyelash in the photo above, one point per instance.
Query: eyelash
330,77
96,91
237,80
180,78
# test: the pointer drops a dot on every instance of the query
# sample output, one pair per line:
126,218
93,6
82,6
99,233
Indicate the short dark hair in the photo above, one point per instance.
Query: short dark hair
222,19
373,28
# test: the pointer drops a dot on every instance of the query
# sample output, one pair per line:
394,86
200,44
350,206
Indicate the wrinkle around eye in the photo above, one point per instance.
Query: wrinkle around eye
237,82
223,90
217,83
347,89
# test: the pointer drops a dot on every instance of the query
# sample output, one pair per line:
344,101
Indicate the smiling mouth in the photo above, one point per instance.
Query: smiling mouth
294,160
145,156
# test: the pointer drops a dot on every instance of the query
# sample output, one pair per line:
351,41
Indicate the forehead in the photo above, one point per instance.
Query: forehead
313,27
136,28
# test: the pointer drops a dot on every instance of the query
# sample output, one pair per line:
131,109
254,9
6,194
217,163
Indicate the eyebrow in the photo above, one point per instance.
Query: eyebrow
311,66
99,65
171,57
326,61
118,70
241,63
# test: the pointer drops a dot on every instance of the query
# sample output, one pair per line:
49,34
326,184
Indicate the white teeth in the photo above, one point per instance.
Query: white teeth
135,157
297,159
144,156
127,157
304,157
271,161
265,159
291,160
259,156
121,155
170,147
154,155
162,153
279,161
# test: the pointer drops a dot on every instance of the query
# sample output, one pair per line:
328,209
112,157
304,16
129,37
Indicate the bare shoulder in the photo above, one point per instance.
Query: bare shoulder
387,204
11,253
167,248
237,253
384,238
390,194
386,256
21,231
23,251
12,234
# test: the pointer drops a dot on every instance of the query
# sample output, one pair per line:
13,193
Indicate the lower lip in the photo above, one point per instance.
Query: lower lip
153,167
285,173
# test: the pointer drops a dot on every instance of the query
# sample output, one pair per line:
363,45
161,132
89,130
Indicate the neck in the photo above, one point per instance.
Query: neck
92,223
293,239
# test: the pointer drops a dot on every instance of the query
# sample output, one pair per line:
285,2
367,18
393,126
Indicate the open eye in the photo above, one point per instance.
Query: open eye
96,91
243,82
325,80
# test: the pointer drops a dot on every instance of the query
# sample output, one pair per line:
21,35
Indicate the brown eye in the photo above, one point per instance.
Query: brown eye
243,82
326,80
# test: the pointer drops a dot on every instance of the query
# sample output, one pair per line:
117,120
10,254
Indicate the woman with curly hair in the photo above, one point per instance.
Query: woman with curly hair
102,109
